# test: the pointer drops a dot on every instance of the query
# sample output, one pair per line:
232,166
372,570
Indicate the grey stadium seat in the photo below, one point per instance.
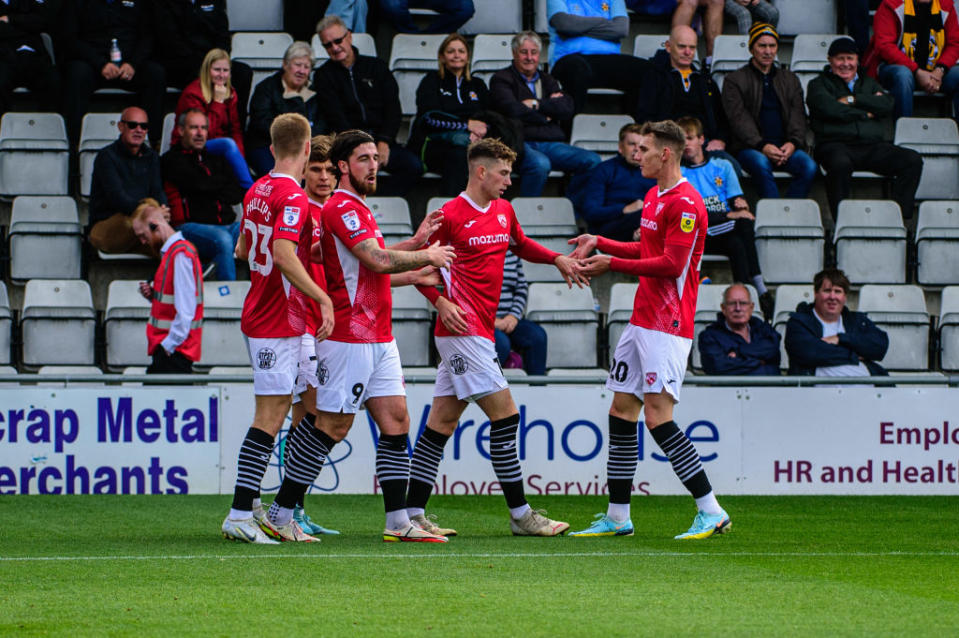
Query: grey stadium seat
570,320
937,140
6,325
411,56
809,55
412,325
262,51
949,329
870,241
45,238
787,298
646,46
255,15
495,16
808,16
708,302
490,54
599,133
621,297
392,215
169,121
546,216
937,243
58,323
223,343
97,131
124,323
789,239
33,154
547,272
729,53
901,312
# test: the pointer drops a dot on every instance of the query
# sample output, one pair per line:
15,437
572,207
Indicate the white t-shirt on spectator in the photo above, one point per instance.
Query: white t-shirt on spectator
846,370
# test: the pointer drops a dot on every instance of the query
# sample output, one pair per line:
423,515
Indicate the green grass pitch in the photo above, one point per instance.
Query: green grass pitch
156,565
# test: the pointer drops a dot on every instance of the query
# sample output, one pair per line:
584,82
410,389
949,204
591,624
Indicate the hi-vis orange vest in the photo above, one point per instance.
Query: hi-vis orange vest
162,311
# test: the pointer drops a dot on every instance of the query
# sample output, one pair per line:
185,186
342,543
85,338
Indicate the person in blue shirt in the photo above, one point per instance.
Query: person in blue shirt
731,223
585,36
610,197
737,342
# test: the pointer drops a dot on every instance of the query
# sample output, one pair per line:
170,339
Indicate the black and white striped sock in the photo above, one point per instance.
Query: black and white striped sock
307,449
251,465
393,470
502,451
683,457
622,461
424,466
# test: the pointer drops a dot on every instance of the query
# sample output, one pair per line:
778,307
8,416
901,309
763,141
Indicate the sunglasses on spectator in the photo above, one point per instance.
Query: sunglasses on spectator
337,41
134,125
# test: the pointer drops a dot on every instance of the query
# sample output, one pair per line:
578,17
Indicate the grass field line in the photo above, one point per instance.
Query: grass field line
366,556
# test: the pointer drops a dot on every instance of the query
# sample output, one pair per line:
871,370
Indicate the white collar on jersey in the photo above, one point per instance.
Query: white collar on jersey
276,175
661,193
474,204
314,202
351,194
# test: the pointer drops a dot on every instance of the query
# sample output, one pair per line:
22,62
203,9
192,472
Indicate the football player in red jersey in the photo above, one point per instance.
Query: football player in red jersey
649,363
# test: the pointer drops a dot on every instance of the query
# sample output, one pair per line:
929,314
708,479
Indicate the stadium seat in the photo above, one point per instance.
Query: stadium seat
255,15
729,53
937,140
412,325
33,154
57,370
97,131
937,243
808,16
595,375
948,329
901,312
45,238
263,52
540,23
124,324
435,203
708,303
646,46
392,215
809,56
495,16
223,343
621,297
411,56
490,54
6,326
547,272
546,216
169,121
598,133
789,239
363,42
58,323
787,298
870,241
570,320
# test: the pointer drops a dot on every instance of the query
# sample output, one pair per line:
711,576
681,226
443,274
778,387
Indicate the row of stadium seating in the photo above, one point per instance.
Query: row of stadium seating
58,323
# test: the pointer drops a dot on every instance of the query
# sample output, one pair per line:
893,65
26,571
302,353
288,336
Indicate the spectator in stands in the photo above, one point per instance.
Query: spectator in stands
585,36
731,229
737,342
712,21
764,106
24,61
202,191
850,114
359,92
450,14
523,92
856,13
174,330
300,16
90,61
915,44
826,339
511,330
746,12
610,199
445,101
214,94
286,91
124,173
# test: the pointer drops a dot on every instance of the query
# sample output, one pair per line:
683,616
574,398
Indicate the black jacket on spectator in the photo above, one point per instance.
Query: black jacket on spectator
185,31
760,356
200,186
807,351
268,102
508,89
121,180
27,19
442,107
88,26
377,111
665,98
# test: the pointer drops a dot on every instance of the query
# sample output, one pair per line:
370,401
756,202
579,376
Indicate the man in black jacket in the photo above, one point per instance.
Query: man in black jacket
202,189
359,92
23,58
826,339
533,97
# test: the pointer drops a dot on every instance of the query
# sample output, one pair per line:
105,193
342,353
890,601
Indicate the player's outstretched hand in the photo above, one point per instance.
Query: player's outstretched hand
325,329
452,316
585,244
428,226
571,270
440,256
595,265
426,276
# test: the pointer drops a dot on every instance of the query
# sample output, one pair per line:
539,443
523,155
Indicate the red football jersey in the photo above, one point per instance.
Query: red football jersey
304,312
275,207
475,278
676,216
362,300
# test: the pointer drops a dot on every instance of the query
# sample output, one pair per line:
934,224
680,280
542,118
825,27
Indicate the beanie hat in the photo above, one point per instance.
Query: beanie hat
844,44
760,29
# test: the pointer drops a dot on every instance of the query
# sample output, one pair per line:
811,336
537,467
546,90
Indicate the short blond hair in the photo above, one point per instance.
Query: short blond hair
140,213
289,132
668,134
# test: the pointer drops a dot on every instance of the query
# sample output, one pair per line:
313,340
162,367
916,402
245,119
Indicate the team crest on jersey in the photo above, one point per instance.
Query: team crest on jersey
718,181
659,207
291,215
265,359
352,220
458,364
650,378
502,220
322,373
688,222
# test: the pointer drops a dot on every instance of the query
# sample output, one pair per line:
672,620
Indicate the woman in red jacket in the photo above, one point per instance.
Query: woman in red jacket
213,94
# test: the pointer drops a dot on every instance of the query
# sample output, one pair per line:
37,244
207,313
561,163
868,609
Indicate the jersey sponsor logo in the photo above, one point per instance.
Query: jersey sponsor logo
501,218
458,364
294,195
481,240
322,373
291,215
469,223
351,219
265,358
357,233
688,222
648,223
650,378
263,190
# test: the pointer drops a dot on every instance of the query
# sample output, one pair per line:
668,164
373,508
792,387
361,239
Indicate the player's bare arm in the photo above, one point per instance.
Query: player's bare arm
452,316
241,251
596,265
284,257
428,226
425,276
383,260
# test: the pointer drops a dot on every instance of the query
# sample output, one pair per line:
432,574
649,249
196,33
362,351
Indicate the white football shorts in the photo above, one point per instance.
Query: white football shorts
648,362
305,367
350,373
469,368
274,364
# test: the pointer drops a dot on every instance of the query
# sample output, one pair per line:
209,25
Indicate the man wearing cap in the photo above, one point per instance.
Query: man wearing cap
764,105
850,114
